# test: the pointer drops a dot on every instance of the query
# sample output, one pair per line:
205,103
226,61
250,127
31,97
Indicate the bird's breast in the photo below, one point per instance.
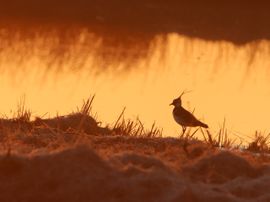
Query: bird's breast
178,118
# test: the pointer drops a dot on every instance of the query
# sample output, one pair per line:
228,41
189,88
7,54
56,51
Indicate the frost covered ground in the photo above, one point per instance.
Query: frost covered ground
52,160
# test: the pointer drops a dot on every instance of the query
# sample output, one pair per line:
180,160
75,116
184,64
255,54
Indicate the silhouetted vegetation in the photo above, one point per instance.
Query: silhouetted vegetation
40,132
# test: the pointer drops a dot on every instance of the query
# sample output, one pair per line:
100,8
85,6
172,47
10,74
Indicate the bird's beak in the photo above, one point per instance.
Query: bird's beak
170,104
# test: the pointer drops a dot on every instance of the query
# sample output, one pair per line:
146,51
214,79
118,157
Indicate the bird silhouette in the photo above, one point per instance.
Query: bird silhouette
184,117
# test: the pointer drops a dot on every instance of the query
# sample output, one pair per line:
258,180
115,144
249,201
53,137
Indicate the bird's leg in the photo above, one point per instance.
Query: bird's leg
183,130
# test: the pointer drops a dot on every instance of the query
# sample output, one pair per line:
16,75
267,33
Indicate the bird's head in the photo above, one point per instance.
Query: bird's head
177,102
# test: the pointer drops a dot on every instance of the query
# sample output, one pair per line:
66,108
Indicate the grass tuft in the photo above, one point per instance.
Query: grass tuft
87,106
260,143
221,139
128,127
23,115
85,111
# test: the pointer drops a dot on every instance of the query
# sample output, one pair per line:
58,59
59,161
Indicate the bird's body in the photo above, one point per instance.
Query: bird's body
184,117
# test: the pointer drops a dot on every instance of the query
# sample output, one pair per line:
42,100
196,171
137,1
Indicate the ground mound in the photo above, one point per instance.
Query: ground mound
72,158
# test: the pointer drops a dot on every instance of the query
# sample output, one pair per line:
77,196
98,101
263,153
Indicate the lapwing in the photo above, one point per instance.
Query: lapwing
184,117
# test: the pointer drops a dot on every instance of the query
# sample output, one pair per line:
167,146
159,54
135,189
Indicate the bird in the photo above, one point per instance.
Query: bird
184,117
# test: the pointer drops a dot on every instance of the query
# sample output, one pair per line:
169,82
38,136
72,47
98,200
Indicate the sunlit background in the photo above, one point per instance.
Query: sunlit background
56,73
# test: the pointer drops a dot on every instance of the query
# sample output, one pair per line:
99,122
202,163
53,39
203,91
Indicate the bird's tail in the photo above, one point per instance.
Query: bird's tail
203,124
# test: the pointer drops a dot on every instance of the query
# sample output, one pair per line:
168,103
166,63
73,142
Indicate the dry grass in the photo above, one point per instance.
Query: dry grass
23,114
86,107
85,111
220,140
43,132
260,143
127,127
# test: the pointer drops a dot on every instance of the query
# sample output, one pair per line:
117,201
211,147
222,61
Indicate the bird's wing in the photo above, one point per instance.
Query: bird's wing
187,117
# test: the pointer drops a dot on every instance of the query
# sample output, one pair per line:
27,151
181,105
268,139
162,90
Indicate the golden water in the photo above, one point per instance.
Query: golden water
227,81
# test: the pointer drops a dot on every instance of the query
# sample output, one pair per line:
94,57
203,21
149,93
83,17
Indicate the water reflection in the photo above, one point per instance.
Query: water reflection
57,72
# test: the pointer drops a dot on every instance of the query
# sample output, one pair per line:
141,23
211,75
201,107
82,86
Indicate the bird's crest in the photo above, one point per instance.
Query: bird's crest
184,92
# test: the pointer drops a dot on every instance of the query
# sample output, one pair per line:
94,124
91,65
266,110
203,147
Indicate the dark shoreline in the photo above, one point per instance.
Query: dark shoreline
239,22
